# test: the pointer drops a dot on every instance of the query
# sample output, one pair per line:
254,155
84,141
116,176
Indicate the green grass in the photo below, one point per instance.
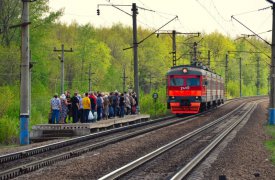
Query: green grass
8,146
9,130
270,144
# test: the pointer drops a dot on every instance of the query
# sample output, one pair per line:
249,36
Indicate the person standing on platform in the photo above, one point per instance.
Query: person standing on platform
106,104
93,103
111,109
135,106
55,108
121,105
86,107
115,104
64,108
75,107
99,103
80,112
69,112
133,103
127,103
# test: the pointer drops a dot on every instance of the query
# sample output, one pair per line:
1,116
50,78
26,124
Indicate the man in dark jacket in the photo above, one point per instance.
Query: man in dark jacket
75,107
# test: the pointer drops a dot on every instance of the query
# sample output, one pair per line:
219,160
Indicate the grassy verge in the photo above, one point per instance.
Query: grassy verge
270,144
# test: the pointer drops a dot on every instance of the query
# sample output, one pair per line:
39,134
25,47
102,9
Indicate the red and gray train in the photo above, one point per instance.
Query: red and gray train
192,89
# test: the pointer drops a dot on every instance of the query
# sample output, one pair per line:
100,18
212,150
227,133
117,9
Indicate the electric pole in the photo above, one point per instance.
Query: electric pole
24,84
208,63
135,50
124,79
258,75
174,45
62,50
226,73
30,81
82,69
240,77
240,65
195,52
174,48
135,43
272,71
90,77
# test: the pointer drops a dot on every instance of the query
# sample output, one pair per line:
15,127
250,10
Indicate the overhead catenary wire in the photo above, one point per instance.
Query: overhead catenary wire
250,30
213,17
248,12
218,12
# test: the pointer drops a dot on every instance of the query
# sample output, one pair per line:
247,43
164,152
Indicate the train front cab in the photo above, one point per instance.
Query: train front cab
184,93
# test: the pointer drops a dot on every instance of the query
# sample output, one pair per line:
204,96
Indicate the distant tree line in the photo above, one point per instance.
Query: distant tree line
102,49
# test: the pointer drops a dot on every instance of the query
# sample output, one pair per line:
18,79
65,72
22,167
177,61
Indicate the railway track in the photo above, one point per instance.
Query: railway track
218,129
23,162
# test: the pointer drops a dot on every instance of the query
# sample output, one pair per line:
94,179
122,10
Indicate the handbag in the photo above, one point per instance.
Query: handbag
95,115
91,116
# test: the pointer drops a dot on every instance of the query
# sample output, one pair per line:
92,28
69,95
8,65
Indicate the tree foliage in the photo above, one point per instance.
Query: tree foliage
101,51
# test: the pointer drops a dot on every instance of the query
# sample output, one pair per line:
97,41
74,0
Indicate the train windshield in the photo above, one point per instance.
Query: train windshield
193,82
176,81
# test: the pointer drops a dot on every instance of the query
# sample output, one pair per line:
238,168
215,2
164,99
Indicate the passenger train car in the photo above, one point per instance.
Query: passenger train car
193,88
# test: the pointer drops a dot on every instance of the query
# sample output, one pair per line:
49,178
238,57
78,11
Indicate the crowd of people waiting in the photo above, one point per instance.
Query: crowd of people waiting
101,105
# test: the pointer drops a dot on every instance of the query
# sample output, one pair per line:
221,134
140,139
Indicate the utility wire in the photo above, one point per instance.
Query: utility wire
219,12
250,30
265,8
152,33
213,17
260,51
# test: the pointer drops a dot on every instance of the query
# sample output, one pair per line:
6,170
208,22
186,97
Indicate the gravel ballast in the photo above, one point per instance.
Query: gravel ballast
243,158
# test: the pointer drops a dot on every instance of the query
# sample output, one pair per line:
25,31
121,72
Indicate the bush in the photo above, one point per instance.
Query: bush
7,99
152,107
9,130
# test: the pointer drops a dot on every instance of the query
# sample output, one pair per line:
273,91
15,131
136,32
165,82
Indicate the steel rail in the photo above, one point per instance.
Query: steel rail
14,172
41,149
195,161
23,169
134,164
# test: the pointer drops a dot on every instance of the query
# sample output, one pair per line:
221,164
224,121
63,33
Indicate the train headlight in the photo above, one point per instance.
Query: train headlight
185,70
173,97
197,97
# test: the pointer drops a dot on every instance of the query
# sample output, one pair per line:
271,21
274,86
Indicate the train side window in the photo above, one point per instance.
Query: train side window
193,82
176,81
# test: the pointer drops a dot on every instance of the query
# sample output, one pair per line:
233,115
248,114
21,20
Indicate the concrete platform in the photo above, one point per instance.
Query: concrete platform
43,132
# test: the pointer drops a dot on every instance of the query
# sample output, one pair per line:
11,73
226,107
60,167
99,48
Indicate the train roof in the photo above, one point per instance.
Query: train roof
190,69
